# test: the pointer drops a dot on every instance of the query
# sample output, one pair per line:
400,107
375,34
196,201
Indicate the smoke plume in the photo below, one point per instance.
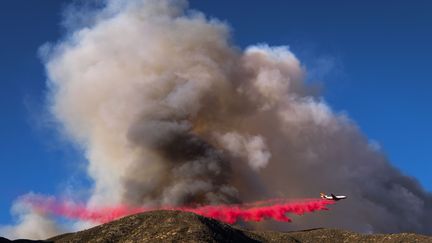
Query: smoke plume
169,111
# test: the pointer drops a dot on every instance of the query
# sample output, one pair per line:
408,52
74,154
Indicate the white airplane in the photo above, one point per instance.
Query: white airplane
332,197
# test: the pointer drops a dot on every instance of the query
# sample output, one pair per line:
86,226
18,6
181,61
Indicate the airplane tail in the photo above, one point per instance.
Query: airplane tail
322,195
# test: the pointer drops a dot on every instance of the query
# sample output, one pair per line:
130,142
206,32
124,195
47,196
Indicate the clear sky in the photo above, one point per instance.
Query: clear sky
371,57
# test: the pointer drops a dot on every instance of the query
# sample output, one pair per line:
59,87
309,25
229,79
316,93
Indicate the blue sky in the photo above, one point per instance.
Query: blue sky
371,57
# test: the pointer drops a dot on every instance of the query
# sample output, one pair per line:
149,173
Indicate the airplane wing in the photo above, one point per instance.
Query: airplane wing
333,196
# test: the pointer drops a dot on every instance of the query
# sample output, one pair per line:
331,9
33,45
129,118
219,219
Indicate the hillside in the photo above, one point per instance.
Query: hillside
175,226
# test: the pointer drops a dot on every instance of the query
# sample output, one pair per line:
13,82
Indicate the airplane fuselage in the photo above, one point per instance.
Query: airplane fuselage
332,197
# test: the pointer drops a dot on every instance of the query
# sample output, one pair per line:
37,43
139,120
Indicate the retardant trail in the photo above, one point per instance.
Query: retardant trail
257,211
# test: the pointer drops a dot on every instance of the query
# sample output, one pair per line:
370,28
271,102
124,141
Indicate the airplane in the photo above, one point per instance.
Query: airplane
332,197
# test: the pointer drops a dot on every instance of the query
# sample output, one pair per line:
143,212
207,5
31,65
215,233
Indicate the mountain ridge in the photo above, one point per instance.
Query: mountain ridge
177,226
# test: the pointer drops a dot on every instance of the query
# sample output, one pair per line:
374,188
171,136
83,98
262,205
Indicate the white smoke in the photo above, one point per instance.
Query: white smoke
169,111
252,149
31,224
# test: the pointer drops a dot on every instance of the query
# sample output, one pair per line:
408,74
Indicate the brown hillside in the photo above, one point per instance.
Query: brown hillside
175,226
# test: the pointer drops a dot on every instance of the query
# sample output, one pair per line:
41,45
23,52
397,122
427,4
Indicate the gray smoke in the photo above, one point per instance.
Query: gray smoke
169,111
